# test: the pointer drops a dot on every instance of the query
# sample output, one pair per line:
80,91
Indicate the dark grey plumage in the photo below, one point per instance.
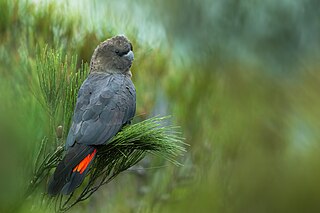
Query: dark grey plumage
106,101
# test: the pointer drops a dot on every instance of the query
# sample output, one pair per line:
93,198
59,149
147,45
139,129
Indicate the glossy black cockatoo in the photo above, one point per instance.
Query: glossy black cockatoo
106,102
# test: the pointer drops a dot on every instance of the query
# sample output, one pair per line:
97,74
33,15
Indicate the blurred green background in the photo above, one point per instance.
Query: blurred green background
241,78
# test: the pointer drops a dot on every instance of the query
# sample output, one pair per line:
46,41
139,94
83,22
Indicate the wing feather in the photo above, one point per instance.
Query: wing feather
105,103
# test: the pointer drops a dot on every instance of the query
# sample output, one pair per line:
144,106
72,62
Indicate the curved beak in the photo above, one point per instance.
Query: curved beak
129,56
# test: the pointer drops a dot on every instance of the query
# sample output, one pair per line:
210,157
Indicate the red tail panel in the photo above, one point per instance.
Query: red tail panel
81,167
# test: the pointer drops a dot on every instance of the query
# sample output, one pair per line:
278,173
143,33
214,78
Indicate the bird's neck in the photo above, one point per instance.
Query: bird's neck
108,71
128,73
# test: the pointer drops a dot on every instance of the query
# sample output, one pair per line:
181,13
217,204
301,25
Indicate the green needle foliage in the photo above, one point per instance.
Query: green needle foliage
52,78
59,81
126,149
42,169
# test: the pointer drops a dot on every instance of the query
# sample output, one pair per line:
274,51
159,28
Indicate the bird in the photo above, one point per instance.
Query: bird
106,102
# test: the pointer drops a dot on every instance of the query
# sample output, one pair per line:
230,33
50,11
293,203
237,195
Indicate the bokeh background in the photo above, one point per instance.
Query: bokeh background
241,78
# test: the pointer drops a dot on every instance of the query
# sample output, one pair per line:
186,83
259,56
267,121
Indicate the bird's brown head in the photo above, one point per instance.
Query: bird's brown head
114,55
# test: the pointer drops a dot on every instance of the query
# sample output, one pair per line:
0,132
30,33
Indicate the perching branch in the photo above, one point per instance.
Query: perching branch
124,150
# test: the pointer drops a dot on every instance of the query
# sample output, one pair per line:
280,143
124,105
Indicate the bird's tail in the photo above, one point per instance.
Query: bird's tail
72,170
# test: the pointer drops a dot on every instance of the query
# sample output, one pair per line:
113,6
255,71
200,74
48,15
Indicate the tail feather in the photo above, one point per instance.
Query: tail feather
72,170
78,174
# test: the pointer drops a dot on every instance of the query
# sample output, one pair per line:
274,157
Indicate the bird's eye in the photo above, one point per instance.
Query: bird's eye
117,51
